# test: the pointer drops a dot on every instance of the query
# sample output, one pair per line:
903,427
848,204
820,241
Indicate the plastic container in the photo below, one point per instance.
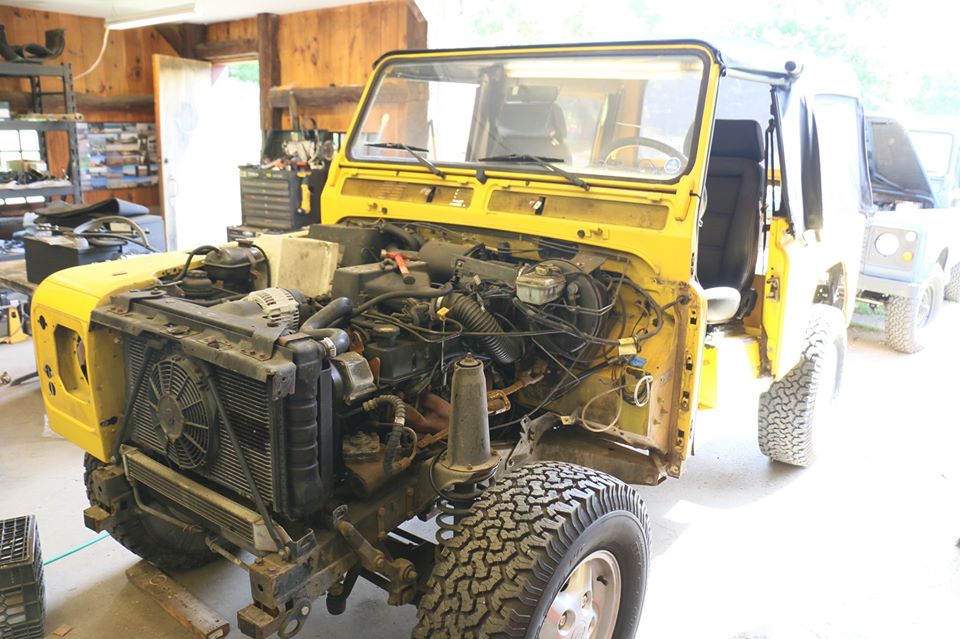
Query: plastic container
21,579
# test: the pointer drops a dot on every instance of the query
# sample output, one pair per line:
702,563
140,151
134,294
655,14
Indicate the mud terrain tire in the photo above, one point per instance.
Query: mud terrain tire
792,407
512,558
907,320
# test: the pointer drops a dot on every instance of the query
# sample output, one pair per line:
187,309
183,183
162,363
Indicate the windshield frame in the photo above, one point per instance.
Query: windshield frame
532,171
954,142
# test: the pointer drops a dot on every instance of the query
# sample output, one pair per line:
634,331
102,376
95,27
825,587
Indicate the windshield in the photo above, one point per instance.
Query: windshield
612,115
934,149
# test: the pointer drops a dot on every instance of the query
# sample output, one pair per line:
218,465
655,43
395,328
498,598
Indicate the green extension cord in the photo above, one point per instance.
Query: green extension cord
99,537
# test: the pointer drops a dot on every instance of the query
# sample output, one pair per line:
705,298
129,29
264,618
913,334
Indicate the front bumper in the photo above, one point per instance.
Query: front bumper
885,286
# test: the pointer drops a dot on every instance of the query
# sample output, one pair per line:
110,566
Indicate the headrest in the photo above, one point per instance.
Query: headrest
532,119
528,93
738,139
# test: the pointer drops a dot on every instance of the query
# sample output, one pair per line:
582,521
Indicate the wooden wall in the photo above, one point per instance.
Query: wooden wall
232,30
126,67
335,46
125,70
317,48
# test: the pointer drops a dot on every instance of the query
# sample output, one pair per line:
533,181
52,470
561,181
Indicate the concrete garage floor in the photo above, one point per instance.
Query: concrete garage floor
863,544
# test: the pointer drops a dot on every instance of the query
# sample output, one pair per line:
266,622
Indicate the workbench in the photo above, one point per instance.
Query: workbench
13,276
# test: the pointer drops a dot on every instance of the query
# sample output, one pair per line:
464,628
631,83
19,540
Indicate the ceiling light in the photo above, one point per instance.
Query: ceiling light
149,18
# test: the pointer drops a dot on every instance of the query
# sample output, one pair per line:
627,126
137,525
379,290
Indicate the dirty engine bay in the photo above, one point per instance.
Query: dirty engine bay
391,378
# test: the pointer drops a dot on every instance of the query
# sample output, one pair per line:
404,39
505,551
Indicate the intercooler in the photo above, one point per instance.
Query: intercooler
235,522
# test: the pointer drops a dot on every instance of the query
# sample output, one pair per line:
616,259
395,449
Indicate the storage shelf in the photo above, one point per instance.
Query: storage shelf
28,69
35,125
35,72
44,191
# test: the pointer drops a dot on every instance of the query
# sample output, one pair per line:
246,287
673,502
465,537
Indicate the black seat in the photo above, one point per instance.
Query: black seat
531,122
730,227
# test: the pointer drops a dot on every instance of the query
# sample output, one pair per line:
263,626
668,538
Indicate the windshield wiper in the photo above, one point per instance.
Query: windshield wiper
415,151
540,160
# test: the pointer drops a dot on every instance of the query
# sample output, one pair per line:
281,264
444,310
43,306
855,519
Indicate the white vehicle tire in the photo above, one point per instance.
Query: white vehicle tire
951,291
792,408
908,319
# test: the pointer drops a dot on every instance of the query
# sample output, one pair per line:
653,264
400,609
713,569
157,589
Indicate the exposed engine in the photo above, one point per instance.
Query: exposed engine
284,397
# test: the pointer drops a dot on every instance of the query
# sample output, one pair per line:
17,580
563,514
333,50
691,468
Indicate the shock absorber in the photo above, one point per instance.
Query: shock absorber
460,472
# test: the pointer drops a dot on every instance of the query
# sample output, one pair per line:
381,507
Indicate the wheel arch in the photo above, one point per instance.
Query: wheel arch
942,258
834,289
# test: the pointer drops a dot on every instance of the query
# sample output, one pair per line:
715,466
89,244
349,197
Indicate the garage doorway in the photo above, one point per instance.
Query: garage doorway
208,124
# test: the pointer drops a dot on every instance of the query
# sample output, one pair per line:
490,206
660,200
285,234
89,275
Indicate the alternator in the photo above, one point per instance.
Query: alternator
279,305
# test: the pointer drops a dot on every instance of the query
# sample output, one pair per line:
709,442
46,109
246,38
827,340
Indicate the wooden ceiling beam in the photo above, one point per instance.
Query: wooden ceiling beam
239,49
321,97
183,37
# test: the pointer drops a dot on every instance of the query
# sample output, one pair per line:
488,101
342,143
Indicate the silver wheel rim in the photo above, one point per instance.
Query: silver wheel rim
587,605
925,307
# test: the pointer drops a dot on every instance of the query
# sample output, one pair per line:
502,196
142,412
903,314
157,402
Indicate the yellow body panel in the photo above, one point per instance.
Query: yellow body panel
728,359
795,268
81,370
709,378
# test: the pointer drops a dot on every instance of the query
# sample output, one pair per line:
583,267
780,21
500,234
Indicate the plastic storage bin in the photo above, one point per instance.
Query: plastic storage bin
21,579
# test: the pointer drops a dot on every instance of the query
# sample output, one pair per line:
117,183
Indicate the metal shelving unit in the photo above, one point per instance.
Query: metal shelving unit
35,73
34,125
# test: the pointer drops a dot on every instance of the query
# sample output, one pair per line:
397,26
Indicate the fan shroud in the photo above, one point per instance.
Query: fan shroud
183,411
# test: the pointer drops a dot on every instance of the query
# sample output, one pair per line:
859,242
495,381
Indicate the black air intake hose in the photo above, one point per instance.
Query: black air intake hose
411,241
503,349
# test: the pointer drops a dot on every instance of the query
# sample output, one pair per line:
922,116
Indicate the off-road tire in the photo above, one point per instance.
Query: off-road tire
906,323
157,541
505,564
951,291
791,408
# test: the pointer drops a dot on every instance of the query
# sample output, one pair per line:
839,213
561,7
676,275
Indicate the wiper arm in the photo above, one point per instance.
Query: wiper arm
415,151
540,160
896,187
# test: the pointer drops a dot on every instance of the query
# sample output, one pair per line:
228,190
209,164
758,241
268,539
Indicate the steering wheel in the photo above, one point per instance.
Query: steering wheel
640,141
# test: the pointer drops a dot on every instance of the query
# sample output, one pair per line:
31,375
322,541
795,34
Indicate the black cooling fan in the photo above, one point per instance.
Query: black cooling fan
184,412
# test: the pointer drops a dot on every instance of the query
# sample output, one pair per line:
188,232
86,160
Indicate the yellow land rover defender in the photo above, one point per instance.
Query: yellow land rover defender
532,266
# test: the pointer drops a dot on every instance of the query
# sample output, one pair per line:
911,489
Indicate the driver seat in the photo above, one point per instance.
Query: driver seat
531,122
730,226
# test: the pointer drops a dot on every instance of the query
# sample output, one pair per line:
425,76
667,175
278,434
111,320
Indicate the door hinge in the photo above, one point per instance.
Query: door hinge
773,288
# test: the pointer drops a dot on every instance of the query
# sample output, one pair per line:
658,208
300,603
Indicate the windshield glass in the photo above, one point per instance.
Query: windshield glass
626,116
934,149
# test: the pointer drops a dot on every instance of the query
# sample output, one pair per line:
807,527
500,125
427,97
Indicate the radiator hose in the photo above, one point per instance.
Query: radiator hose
392,465
320,324
330,314
467,311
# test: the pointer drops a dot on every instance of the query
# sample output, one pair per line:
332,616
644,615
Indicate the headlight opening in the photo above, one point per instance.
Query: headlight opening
886,244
